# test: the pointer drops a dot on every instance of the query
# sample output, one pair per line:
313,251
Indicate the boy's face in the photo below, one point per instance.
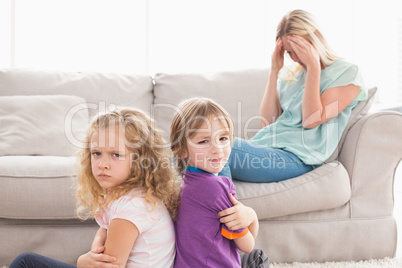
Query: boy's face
209,146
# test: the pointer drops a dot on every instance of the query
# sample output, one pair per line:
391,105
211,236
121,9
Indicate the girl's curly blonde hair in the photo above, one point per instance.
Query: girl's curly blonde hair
151,168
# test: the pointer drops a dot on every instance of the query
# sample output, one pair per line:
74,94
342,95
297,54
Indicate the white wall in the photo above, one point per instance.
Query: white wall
193,35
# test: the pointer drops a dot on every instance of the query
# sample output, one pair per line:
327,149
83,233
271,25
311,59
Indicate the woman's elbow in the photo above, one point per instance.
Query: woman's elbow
309,125
313,120
264,123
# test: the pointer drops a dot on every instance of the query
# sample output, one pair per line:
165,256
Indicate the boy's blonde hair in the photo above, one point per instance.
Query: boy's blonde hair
303,23
189,116
156,178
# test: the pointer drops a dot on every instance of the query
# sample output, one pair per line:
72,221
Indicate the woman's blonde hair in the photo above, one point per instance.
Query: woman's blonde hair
304,24
189,117
151,168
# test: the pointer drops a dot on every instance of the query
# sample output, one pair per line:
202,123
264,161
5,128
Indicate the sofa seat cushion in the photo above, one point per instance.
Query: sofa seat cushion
37,187
326,187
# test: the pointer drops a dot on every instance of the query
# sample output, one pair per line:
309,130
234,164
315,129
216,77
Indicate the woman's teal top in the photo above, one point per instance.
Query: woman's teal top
313,146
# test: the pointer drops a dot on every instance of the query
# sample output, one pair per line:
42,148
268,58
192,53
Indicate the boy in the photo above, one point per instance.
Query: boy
201,139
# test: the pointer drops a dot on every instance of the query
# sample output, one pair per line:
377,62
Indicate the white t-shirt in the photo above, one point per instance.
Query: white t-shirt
155,244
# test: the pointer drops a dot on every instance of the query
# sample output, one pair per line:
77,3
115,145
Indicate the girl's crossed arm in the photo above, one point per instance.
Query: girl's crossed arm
120,240
95,256
113,249
99,240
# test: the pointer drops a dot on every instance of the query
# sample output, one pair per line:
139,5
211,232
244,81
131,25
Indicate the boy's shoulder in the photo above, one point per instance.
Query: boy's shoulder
205,177
207,182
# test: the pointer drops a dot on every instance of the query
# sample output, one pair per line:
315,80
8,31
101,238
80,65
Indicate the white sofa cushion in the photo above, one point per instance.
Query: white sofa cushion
37,187
42,124
23,166
326,187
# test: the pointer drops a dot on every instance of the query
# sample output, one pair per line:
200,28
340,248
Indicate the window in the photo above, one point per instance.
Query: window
150,36
81,35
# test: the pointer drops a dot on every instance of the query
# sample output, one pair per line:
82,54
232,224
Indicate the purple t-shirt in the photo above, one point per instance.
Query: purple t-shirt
200,237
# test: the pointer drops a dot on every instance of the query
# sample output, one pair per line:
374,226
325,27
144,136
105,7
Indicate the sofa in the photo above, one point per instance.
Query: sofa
342,210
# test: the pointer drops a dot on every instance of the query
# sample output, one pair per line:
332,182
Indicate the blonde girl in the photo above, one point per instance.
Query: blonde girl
127,183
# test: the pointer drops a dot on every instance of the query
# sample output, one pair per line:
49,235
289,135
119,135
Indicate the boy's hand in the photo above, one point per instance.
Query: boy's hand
95,258
237,217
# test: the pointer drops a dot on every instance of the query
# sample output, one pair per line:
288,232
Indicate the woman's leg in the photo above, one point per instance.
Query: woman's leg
255,163
32,260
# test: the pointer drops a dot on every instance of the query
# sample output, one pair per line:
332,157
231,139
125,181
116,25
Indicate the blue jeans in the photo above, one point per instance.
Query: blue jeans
32,260
251,162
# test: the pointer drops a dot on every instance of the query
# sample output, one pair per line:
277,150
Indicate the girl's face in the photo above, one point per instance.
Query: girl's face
110,158
209,147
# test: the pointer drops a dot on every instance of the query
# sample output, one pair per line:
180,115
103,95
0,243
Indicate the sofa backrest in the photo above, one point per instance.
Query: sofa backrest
239,92
75,91
121,89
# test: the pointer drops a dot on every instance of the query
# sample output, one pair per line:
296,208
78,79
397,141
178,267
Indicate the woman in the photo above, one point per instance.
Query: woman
304,110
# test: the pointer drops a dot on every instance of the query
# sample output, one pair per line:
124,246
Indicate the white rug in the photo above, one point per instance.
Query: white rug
386,263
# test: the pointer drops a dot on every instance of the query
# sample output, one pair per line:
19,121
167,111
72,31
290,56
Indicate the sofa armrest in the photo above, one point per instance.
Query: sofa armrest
371,153
326,187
